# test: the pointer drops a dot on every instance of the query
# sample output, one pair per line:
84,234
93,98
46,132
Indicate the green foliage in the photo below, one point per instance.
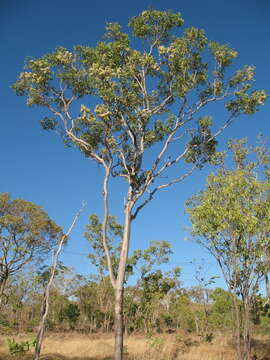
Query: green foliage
26,234
260,311
143,260
156,342
222,302
19,348
125,350
153,288
202,146
95,300
209,337
175,310
181,311
157,284
93,235
71,312
142,96
44,273
156,254
221,309
231,218
155,25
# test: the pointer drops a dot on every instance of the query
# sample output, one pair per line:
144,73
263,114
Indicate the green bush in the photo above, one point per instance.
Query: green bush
20,347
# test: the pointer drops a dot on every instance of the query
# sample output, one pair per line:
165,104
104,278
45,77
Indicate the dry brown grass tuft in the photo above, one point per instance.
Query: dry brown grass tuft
138,347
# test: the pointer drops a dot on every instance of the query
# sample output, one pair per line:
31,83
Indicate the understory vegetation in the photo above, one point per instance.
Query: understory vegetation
163,320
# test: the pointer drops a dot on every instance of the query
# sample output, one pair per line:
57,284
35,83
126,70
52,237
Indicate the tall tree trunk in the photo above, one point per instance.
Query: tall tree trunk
237,313
119,288
44,312
267,285
237,329
247,332
3,283
119,324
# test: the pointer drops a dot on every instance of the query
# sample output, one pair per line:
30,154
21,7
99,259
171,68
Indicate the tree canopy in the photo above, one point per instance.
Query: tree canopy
231,218
26,234
141,95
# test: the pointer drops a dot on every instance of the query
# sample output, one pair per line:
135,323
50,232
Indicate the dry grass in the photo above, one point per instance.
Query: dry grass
159,347
219,349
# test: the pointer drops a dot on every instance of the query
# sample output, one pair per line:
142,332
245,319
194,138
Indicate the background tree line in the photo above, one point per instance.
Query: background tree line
155,304
155,300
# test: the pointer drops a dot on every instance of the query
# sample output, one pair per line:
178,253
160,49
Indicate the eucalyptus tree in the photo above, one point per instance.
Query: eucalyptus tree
231,219
139,98
26,234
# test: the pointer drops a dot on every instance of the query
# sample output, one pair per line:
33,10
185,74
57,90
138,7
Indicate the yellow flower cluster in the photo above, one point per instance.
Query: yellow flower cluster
84,109
260,97
34,77
102,111
162,50
25,75
65,57
219,54
102,71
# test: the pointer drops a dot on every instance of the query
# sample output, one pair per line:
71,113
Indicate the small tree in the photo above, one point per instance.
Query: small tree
201,293
221,315
26,234
143,260
143,263
231,219
71,312
139,100
94,235
50,276
153,285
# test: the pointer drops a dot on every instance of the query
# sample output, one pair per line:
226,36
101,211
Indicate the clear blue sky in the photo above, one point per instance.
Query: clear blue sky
35,165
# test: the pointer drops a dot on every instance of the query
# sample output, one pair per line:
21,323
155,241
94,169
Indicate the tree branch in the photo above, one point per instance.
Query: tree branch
105,224
159,187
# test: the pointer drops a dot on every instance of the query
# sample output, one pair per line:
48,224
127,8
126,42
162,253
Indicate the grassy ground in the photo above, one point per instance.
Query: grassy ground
138,347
